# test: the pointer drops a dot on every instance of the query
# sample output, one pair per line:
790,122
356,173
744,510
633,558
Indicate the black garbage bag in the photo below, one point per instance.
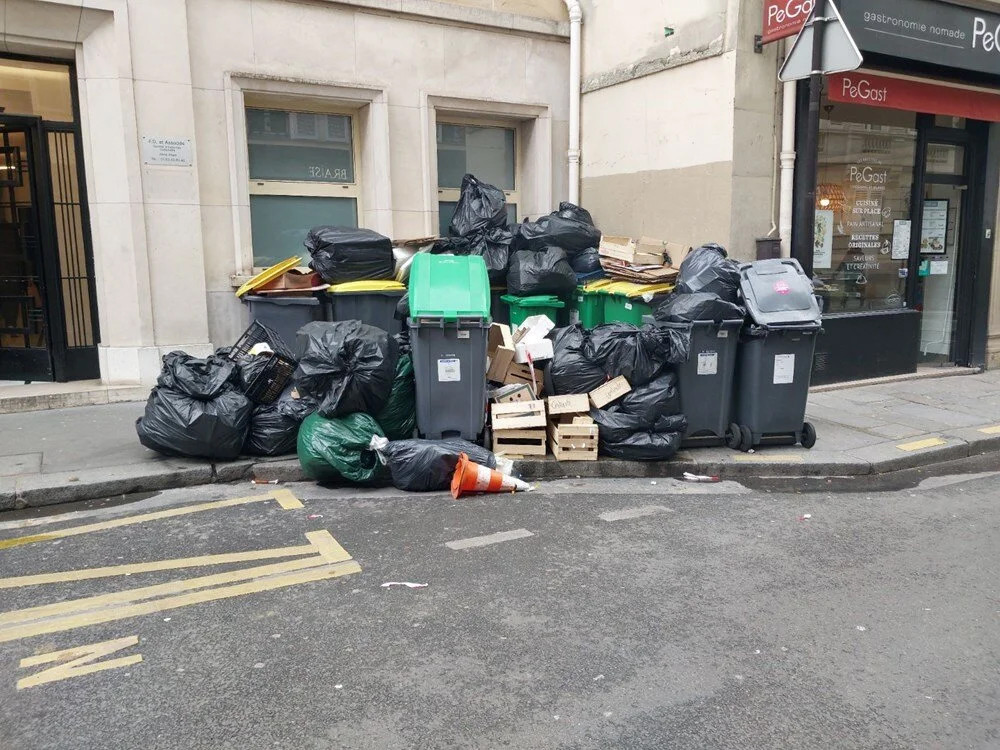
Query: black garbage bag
428,465
274,427
646,446
399,417
589,261
686,308
572,211
637,353
199,378
480,207
342,254
451,246
177,423
543,272
565,229
493,246
250,367
347,366
658,398
708,269
570,371
616,427
402,308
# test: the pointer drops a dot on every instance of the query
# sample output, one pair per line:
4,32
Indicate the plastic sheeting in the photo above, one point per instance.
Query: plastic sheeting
342,254
348,366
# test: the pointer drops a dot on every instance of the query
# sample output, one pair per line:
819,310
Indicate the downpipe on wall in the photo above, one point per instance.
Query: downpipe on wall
573,152
786,206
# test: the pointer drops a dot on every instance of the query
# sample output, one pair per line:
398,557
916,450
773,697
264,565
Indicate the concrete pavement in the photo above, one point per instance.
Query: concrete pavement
65,455
588,614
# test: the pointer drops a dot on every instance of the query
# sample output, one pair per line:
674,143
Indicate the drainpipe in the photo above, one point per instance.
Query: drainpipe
787,168
573,154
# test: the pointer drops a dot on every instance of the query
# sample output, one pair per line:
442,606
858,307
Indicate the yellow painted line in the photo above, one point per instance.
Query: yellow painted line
991,430
284,498
149,567
921,444
60,624
79,661
324,556
769,459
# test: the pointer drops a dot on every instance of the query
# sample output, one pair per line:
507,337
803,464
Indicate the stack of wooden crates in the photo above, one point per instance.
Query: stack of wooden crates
572,432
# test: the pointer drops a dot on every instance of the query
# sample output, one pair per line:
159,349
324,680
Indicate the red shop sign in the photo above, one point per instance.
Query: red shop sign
913,96
784,18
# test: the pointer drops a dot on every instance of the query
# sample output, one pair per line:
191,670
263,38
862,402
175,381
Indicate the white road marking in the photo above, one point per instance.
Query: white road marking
483,541
627,513
631,487
933,483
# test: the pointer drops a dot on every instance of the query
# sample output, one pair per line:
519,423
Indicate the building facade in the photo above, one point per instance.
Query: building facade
153,154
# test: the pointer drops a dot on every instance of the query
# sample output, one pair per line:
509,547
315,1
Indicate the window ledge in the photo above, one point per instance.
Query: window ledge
466,15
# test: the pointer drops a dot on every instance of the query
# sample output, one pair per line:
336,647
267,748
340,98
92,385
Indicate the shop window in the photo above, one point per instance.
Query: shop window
865,176
487,151
302,174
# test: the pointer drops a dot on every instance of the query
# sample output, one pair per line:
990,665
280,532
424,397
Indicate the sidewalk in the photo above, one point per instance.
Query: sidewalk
64,455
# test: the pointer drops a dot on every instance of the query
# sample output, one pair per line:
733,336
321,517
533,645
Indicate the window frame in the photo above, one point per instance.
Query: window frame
451,195
304,188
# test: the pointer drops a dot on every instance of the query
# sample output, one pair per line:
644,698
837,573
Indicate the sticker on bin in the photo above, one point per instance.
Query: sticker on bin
628,305
708,363
449,370
722,335
464,334
784,369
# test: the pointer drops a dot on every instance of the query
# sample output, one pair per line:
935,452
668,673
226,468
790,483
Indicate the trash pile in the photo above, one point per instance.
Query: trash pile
435,363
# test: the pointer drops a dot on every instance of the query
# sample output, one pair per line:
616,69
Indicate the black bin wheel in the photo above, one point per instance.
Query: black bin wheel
746,441
734,437
808,435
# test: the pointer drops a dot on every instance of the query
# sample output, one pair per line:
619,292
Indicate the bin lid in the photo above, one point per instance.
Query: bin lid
269,274
449,287
539,300
778,293
357,287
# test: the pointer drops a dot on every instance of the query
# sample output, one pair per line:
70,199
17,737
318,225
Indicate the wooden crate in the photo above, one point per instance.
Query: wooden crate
573,442
523,415
519,443
521,374
610,391
568,405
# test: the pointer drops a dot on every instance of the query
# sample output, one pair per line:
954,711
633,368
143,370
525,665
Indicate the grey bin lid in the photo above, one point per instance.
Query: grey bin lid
777,293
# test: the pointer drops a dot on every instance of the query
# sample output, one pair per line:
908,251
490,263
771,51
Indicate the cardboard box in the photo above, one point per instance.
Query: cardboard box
575,404
518,416
533,329
511,394
500,348
677,253
521,374
610,391
538,350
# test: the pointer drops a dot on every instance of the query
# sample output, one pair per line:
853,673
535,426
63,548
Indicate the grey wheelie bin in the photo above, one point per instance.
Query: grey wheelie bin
776,354
705,381
449,325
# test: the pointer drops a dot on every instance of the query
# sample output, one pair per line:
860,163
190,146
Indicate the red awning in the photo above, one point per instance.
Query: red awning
914,96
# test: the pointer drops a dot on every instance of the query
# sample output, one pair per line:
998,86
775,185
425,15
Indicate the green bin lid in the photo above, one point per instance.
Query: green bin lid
544,300
449,287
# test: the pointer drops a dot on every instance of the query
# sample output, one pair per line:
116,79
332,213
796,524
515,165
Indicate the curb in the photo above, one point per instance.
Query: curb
38,490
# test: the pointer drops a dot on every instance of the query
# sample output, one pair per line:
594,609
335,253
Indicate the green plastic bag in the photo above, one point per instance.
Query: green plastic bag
399,417
333,448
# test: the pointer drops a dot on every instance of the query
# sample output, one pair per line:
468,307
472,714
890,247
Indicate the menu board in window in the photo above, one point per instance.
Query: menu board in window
934,230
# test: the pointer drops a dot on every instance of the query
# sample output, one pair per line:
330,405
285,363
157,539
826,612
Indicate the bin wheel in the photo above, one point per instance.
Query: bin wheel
488,438
808,435
734,437
746,442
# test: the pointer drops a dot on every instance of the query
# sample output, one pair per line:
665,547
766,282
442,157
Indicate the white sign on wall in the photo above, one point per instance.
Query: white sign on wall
166,152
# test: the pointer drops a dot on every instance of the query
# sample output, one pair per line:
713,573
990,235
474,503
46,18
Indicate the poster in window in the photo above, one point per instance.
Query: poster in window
823,240
934,230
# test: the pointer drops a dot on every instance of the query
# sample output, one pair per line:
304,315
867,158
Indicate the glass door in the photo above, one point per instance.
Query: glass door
942,252
24,335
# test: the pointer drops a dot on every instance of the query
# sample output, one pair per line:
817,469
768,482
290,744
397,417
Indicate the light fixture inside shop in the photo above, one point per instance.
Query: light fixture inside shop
830,196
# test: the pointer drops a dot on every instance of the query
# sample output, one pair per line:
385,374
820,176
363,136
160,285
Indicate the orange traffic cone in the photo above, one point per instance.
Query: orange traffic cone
471,477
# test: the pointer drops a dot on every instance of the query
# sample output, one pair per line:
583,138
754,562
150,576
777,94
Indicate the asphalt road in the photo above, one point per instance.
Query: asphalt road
616,614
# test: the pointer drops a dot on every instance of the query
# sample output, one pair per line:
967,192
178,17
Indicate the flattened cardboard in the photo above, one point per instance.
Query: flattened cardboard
610,391
578,403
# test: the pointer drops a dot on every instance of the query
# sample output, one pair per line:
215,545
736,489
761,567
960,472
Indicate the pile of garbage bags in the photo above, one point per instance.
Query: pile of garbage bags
427,465
479,227
646,424
342,254
708,288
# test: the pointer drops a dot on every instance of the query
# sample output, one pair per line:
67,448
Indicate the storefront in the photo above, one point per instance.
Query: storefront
906,191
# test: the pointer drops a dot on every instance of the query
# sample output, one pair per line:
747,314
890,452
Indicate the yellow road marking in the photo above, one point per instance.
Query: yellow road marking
284,498
72,622
328,551
80,662
769,459
148,567
991,430
921,444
